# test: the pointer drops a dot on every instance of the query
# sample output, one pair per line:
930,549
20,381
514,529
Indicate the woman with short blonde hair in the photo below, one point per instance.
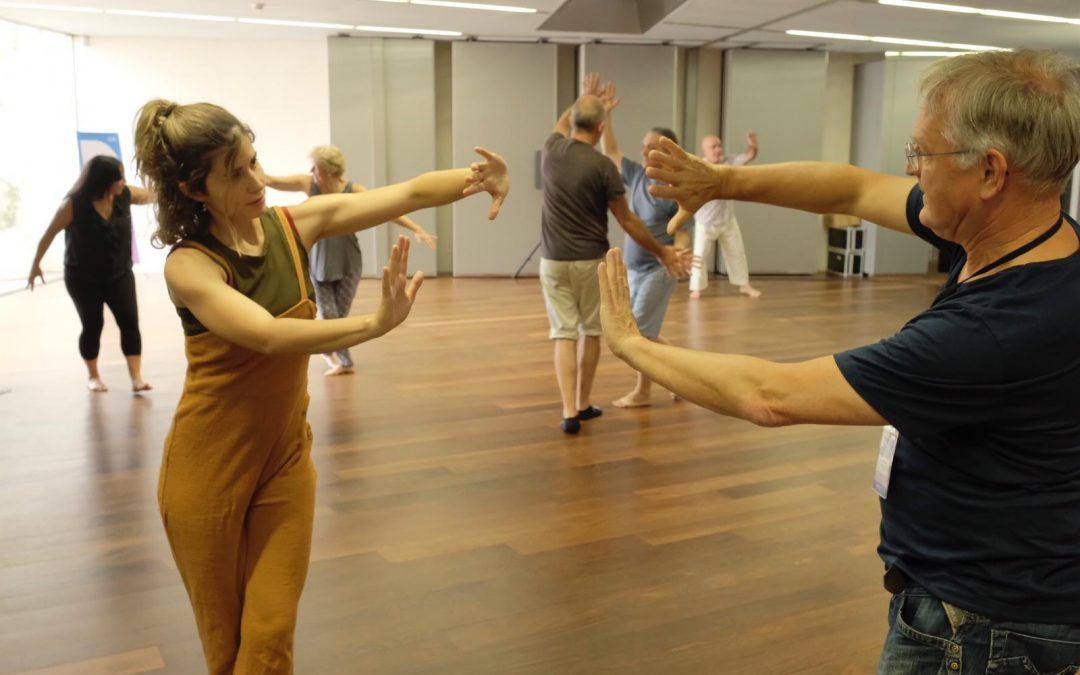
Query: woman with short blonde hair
336,263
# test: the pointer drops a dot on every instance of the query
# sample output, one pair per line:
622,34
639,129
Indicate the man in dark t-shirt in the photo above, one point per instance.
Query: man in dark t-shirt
978,470
580,186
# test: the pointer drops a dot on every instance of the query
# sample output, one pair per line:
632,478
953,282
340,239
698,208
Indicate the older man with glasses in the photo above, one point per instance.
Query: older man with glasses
978,468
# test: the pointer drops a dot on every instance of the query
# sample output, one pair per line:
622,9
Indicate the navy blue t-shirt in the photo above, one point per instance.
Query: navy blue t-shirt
983,508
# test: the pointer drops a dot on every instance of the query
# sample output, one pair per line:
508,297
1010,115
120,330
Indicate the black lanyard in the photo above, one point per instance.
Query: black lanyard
1008,257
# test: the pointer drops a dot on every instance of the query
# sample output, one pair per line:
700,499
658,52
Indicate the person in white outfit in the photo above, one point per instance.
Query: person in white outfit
716,221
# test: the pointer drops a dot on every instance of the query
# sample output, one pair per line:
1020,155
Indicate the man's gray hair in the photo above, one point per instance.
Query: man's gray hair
1025,104
587,113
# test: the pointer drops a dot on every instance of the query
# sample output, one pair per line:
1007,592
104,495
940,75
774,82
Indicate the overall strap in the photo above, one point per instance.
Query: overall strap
292,237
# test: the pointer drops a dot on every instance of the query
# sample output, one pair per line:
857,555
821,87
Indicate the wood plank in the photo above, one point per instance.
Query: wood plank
457,530
128,663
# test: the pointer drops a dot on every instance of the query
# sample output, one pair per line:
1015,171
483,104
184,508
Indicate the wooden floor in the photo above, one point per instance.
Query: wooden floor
457,529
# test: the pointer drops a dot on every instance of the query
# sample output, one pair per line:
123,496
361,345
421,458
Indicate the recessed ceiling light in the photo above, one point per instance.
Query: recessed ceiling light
171,15
297,24
896,41
996,13
52,8
407,31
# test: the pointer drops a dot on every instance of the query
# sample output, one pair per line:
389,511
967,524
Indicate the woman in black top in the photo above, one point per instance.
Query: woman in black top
96,219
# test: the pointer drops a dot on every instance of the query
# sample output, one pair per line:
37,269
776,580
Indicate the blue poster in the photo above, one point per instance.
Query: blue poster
92,145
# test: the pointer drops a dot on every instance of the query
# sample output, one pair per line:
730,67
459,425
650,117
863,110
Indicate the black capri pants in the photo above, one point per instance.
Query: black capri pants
90,296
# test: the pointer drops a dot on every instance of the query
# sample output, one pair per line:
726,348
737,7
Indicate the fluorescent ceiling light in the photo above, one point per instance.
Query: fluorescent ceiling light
941,7
896,41
996,13
475,5
297,24
1026,16
407,31
171,15
834,36
453,4
51,8
926,53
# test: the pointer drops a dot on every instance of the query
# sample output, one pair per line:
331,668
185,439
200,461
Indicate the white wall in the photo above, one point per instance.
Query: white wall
39,158
781,95
279,88
650,88
707,97
504,99
382,116
887,102
867,120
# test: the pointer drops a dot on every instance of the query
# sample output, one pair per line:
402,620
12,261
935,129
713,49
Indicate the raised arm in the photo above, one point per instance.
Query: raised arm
608,144
422,235
676,262
763,392
199,285
141,195
562,126
60,221
300,182
678,221
337,214
751,151
818,187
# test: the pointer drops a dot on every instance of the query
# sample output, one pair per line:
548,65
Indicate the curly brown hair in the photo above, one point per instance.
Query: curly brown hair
176,145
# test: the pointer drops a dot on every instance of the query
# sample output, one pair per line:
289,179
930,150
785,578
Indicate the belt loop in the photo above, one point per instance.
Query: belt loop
895,581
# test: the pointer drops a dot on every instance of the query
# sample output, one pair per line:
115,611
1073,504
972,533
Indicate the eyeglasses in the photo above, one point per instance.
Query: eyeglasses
914,157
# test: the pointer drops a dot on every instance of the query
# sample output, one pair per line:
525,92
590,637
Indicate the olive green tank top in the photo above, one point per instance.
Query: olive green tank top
270,279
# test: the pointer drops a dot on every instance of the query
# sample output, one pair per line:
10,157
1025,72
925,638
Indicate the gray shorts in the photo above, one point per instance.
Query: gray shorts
650,291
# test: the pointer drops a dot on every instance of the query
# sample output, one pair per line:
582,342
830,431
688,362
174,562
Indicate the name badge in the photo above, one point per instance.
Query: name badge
886,450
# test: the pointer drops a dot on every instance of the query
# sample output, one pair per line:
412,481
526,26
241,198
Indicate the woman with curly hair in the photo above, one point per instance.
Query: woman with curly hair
237,483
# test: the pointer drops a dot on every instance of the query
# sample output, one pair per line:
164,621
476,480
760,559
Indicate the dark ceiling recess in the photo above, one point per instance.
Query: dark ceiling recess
610,16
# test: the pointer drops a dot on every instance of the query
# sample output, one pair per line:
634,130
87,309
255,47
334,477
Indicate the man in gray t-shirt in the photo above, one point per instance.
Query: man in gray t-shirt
580,186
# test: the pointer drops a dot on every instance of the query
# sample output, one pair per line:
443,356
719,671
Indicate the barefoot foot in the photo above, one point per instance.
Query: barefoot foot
632,400
139,385
339,370
95,384
750,291
694,295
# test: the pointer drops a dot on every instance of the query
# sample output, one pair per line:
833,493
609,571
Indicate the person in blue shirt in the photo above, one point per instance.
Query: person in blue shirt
651,285
979,467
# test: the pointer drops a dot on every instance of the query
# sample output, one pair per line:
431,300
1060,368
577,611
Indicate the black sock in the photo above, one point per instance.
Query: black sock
592,412
570,425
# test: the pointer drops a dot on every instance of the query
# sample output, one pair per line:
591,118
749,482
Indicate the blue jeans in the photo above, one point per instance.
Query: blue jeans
928,636
650,291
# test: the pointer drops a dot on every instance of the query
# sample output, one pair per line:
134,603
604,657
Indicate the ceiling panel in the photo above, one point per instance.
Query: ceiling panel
696,21
738,12
871,19
774,37
680,31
